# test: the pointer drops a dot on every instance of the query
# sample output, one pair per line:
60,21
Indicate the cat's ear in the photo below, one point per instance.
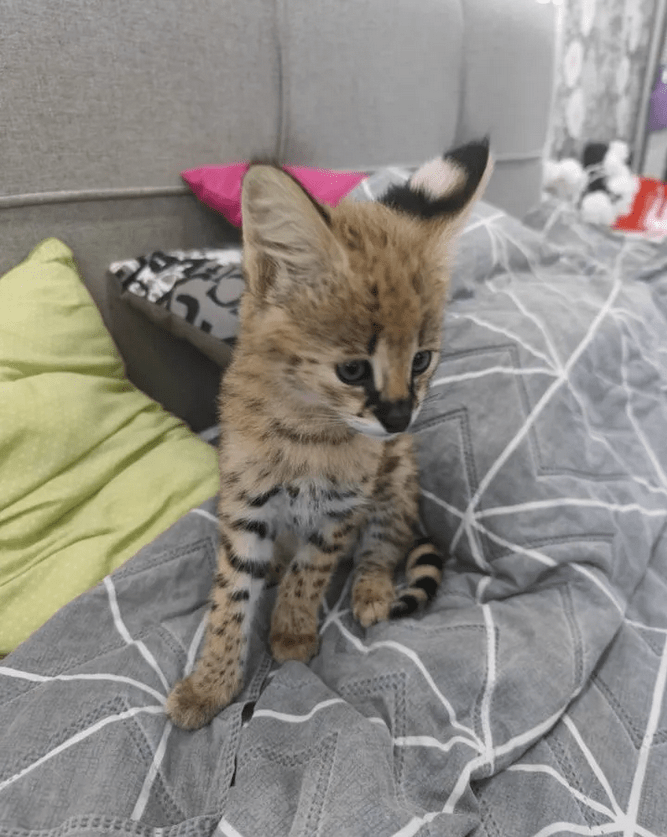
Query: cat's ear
287,240
445,189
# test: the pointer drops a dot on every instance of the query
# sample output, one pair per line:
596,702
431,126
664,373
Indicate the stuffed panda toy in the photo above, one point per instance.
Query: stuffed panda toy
602,185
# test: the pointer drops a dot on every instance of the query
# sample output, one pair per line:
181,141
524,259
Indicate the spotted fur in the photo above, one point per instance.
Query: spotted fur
340,334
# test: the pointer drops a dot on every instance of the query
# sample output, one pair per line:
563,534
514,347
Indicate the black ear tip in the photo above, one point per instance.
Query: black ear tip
482,144
473,157
476,150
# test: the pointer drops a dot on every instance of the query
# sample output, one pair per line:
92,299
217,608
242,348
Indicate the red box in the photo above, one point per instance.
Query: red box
649,210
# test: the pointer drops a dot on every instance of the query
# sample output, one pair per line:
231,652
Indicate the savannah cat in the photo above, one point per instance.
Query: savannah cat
340,334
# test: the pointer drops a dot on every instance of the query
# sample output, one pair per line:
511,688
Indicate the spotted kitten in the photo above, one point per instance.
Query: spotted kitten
340,334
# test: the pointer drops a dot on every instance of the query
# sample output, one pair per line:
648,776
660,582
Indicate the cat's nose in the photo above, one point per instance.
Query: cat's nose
394,415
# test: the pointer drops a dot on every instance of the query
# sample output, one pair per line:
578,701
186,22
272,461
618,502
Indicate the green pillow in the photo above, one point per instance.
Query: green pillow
92,469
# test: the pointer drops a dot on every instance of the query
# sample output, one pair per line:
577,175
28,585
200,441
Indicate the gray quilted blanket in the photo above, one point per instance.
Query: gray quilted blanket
528,701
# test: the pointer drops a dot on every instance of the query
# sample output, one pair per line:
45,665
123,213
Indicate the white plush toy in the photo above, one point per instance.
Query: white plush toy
597,208
565,178
615,185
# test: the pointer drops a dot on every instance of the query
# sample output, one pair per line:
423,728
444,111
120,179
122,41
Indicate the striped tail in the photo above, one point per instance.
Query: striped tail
423,570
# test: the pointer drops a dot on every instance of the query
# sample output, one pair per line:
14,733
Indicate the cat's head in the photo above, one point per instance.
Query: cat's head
343,307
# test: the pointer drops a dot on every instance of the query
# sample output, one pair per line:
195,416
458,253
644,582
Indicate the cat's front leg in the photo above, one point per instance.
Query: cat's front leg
384,543
294,623
388,537
387,533
244,555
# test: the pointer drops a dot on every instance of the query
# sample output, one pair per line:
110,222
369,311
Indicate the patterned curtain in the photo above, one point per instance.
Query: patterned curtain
599,75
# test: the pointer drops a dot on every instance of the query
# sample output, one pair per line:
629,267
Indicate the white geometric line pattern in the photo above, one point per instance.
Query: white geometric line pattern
227,829
122,630
162,746
117,678
79,737
527,701
296,719
145,791
562,378
410,654
645,749
587,800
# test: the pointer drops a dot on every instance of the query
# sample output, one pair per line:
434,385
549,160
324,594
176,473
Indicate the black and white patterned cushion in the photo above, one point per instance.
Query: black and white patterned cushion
201,286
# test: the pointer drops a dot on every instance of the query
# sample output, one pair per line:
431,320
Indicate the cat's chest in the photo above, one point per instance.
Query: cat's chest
306,506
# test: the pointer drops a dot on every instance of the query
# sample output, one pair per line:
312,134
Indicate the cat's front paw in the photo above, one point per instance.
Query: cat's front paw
288,646
372,598
192,705
293,636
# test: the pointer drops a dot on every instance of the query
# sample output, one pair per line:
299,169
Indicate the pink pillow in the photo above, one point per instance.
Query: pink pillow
220,186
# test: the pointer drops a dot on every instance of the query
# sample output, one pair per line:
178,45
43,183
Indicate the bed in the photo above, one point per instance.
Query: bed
529,698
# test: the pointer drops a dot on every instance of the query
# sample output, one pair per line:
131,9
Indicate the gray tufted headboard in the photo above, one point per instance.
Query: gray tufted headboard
103,104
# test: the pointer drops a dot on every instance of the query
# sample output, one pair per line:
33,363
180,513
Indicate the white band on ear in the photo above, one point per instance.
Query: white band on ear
438,178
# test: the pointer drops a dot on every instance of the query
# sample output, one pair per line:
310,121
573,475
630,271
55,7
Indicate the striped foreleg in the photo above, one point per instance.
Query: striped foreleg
374,596
244,556
294,634
387,538
384,542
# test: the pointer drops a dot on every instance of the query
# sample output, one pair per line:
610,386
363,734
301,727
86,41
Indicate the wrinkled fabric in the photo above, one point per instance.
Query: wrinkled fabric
527,700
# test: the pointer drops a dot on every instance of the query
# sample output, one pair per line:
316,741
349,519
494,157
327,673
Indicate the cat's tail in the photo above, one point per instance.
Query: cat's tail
423,570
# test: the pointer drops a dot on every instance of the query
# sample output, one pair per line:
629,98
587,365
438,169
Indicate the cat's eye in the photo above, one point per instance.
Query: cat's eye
420,362
354,371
